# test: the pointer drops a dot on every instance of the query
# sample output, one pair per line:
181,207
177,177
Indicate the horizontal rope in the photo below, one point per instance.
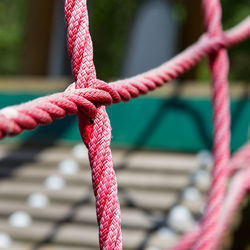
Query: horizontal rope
43,110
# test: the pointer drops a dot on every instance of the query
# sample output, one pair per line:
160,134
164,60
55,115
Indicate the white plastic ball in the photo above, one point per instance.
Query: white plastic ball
202,180
20,219
192,199
167,234
54,182
38,200
80,151
5,241
205,159
191,194
202,208
180,219
68,167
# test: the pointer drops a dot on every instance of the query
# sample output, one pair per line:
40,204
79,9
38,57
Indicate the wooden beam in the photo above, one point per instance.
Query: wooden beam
36,51
192,29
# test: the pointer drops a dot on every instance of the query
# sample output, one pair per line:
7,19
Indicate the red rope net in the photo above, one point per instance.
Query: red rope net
88,96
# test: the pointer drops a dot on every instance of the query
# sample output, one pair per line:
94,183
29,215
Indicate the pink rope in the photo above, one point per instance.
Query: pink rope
88,96
219,65
187,241
96,136
240,158
240,184
237,189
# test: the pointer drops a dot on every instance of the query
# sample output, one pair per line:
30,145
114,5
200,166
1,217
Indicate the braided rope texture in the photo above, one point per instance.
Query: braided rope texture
96,136
88,96
219,65
239,168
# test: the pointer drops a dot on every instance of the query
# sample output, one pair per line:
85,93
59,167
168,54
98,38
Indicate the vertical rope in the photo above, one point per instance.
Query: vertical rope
221,118
104,183
79,43
96,136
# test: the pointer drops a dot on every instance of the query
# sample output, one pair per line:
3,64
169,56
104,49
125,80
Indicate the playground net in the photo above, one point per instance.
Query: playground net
88,96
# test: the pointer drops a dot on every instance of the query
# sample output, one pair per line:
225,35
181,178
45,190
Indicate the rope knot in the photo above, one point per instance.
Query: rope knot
100,93
88,100
219,42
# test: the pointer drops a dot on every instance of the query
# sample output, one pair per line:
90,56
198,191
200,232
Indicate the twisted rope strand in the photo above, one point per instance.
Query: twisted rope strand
104,183
79,43
96,136
240,159
219,65
239,186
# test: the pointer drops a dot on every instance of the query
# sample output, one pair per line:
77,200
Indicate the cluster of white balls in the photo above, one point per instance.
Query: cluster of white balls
202,177
66,167
180,218
183,216
21,219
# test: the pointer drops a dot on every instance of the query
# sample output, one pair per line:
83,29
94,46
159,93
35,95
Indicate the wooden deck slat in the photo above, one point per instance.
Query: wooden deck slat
29,246
68,234
126,178
82,214
159,200
144,161
149,185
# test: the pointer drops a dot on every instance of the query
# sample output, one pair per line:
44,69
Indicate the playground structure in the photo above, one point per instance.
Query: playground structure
88,96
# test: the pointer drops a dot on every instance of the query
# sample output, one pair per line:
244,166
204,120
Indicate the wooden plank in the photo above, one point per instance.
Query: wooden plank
22,191
36,51
147,199
32,84
158,200
134,160
133,179
68,235
31,246
132,218
192,28
149,185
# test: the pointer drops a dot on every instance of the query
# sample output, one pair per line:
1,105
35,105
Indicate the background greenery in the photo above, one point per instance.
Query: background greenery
13,18
233,13
111,22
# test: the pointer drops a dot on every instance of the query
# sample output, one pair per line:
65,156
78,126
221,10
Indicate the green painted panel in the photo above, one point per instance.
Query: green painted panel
183,124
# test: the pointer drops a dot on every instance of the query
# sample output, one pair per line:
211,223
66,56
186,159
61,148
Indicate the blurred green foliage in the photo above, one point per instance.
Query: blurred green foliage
111,23
233,12
12,29
110,43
